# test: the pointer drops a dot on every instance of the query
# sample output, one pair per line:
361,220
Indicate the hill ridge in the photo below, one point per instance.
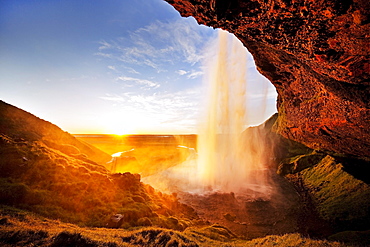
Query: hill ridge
20,124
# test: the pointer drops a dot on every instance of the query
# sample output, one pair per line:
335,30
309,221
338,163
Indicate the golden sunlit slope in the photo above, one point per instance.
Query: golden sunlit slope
39,175
19,124
52,184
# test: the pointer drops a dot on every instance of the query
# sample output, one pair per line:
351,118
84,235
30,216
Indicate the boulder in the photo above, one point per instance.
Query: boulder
115,221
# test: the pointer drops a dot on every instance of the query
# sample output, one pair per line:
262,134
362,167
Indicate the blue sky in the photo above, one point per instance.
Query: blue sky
114,66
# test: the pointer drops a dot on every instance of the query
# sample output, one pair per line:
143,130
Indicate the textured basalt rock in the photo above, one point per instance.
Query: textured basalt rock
316,53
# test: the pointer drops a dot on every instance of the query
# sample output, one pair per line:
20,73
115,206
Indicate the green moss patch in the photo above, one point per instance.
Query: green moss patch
341,199
299,163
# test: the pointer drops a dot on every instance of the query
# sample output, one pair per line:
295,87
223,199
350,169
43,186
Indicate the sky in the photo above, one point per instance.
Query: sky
113,66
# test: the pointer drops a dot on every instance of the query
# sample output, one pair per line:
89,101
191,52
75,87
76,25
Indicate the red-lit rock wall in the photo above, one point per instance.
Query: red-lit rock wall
316,53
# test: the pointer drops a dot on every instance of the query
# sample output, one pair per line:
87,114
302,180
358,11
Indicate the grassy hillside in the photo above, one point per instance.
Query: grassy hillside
21,125
43,170
19,228
53,184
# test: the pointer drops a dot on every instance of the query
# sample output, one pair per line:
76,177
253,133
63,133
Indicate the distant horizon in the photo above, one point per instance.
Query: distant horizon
115,134
157,133
147,134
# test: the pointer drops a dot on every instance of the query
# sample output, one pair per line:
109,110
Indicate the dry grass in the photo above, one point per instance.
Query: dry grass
19,228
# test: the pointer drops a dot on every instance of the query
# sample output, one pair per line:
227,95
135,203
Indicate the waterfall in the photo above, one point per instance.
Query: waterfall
230,159
226,161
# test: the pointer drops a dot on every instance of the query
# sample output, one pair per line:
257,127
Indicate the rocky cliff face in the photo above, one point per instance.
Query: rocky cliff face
316,53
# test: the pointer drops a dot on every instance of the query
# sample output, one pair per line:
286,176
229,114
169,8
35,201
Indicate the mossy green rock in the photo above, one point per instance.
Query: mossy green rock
361,238
341,199
299,163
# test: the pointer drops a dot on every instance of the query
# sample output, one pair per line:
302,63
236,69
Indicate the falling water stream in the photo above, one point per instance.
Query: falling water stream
226,161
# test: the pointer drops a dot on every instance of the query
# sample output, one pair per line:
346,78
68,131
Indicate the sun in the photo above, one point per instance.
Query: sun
120,132
123,129
126,123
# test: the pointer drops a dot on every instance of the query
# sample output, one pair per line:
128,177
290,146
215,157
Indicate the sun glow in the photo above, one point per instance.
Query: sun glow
122,129
123,123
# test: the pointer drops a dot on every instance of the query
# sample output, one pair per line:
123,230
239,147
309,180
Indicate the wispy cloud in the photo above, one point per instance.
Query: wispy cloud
176,38
182,72
104,45
195,74
144,83
112,68
139,60
105,55
133,71
115,98
157,44
151,58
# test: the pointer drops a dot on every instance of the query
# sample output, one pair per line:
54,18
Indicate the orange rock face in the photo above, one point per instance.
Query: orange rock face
316,53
